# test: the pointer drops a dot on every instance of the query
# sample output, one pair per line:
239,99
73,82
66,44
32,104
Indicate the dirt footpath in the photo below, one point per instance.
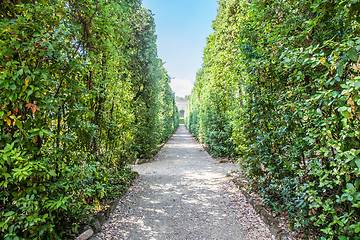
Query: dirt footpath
184,194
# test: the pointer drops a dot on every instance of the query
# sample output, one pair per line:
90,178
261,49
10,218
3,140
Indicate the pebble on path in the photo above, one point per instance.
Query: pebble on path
184,194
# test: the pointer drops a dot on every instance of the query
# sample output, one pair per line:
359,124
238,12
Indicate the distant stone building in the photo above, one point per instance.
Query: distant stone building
181,104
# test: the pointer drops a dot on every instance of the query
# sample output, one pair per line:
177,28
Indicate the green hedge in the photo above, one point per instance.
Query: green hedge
279,88
82,94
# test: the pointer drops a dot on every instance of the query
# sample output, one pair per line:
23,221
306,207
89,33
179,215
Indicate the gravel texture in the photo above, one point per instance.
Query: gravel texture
184,194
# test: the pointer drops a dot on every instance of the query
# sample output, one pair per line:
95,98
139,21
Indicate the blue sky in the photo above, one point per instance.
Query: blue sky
182,27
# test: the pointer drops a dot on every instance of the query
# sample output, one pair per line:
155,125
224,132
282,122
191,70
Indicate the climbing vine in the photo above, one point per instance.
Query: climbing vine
79,82
280,81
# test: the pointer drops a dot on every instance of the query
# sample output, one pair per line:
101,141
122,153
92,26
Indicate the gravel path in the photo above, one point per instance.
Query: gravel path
184,194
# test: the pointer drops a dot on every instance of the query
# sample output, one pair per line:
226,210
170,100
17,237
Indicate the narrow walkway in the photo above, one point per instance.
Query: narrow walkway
184,194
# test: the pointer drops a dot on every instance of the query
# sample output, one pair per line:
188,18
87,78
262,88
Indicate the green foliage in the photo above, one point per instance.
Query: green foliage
79,82
213,99
291,72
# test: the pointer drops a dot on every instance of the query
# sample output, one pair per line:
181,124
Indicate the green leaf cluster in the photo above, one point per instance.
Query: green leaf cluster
82,94
279,88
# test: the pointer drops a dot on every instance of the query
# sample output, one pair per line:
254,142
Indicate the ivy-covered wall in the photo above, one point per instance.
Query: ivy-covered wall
279,89
82,94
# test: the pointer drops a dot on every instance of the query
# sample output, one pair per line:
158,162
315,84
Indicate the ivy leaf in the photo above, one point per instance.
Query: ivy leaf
9,213
357,183
351,53
357,162
19,124
345,111
350,186
340,69
52,173
8,121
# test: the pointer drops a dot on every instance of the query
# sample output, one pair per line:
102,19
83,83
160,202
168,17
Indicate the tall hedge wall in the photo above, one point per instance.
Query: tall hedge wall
279,88
82,93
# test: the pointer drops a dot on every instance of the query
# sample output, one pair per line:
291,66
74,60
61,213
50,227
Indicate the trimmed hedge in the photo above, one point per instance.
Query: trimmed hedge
279,88
82,94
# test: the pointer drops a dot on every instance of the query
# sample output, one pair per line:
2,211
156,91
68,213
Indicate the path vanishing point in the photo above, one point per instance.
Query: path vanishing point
184,194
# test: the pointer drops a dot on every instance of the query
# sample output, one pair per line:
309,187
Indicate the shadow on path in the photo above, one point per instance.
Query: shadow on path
184,194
